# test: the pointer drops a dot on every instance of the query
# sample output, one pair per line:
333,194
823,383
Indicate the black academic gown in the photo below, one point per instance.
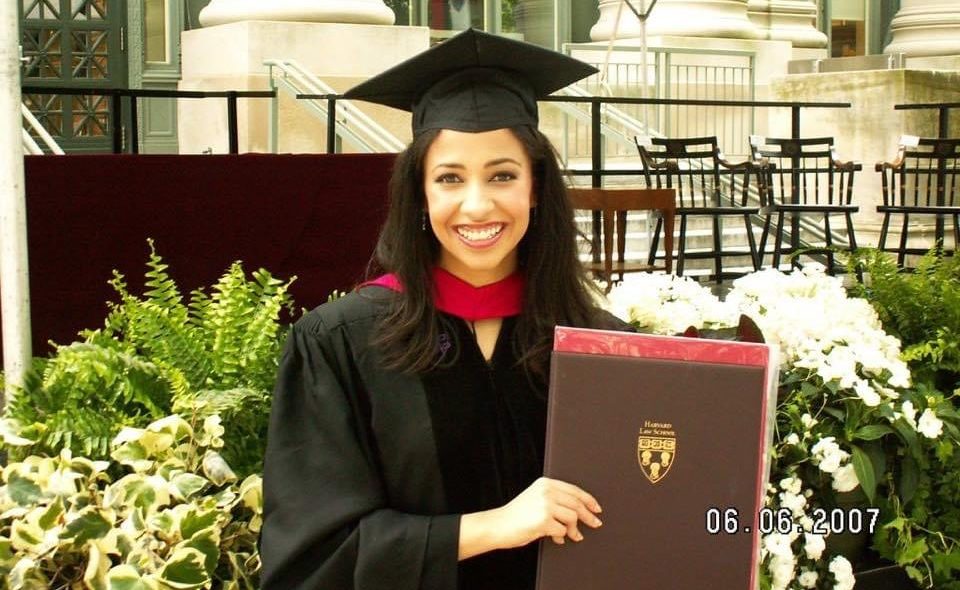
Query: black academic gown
367,471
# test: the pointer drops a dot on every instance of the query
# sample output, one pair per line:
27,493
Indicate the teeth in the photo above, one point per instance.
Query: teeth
480,234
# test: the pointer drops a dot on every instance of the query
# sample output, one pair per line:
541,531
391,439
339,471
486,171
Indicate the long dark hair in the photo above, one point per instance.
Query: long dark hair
557,292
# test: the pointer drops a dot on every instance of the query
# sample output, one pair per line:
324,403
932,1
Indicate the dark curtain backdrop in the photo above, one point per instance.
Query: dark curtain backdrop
313,216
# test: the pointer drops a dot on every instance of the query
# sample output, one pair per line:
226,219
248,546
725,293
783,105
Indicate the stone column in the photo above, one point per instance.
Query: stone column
372,12
787,20
683,18
926,28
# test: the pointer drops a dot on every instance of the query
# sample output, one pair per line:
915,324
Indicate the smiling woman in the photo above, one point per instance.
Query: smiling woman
479,189
407,434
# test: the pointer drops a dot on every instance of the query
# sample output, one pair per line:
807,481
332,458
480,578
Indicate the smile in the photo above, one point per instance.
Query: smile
480,234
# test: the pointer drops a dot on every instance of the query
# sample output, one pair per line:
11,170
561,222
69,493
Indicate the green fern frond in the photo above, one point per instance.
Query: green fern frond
199,303
166,338
218,353
83,392
180,387
263,336
231,308
225,402
921,308
163,290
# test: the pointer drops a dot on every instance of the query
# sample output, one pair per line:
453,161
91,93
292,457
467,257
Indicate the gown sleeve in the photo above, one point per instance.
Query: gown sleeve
327,522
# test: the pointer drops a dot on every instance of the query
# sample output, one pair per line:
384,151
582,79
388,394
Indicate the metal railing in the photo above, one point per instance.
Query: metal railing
350,123
598,171
619,128
133,94
943,121
674,73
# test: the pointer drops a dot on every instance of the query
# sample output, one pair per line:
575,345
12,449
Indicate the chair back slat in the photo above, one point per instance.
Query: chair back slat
927,175
803,171
692,167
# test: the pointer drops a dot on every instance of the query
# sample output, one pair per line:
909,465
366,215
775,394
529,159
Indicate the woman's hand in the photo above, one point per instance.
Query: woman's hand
547,508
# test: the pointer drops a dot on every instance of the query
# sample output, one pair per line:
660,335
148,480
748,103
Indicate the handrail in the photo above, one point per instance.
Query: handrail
133,94
29,145
634,126
351,122
596,103
943,123
39,130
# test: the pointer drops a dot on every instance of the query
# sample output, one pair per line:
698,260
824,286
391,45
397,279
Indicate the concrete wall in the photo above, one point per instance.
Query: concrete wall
230,57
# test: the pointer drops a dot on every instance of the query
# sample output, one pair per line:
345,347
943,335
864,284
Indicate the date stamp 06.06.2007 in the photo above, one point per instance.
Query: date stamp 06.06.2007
728,521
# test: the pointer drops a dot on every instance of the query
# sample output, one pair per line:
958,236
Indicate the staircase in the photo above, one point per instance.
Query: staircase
640,228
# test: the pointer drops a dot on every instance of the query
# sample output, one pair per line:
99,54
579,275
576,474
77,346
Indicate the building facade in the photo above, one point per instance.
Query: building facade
136,43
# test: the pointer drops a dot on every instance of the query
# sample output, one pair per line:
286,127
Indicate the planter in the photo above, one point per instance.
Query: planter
372,12
888,577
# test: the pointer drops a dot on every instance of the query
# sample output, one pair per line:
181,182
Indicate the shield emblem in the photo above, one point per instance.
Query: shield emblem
656,455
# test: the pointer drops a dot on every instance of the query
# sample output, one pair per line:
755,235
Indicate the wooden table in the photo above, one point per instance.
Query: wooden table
613,205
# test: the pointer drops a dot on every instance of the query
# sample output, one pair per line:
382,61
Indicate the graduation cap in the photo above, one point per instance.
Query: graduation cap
473,82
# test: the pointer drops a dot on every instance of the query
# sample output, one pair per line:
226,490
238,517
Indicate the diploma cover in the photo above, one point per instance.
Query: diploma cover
671,435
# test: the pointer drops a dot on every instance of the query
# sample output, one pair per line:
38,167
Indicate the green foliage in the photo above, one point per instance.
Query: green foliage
177,517
156,354
923,497
77,398
921,308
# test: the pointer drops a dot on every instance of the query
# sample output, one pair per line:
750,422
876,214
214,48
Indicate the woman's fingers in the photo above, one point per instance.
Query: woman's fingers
582,496
568,518
548,508
581,510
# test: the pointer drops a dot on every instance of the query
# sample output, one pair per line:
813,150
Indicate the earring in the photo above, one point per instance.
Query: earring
423,221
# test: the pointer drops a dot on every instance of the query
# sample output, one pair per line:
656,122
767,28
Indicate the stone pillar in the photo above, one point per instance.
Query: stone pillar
372,12
683,18
926,28
787,20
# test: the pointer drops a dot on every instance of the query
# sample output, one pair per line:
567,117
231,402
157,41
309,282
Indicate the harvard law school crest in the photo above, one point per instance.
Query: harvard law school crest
656,449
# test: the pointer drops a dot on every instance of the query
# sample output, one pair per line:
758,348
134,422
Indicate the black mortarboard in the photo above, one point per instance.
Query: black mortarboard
473,82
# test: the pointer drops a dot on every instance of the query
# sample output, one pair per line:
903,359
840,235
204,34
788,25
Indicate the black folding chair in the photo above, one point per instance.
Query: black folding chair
922,180
804,179
706,185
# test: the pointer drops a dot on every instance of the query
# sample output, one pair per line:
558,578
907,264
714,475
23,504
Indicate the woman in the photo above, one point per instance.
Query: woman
406,439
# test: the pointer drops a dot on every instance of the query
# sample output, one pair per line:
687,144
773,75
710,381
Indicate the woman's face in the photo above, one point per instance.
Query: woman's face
479,189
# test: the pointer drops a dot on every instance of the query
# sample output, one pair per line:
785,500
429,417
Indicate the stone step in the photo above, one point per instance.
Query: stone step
699,240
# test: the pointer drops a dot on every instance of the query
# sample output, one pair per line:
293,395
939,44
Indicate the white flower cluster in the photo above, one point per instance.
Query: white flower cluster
777,549
842,572
817,326
782,562
928,425
668,304
807,314
830,458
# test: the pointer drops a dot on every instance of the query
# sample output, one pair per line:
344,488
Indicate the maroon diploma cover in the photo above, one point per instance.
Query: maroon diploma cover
671,436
